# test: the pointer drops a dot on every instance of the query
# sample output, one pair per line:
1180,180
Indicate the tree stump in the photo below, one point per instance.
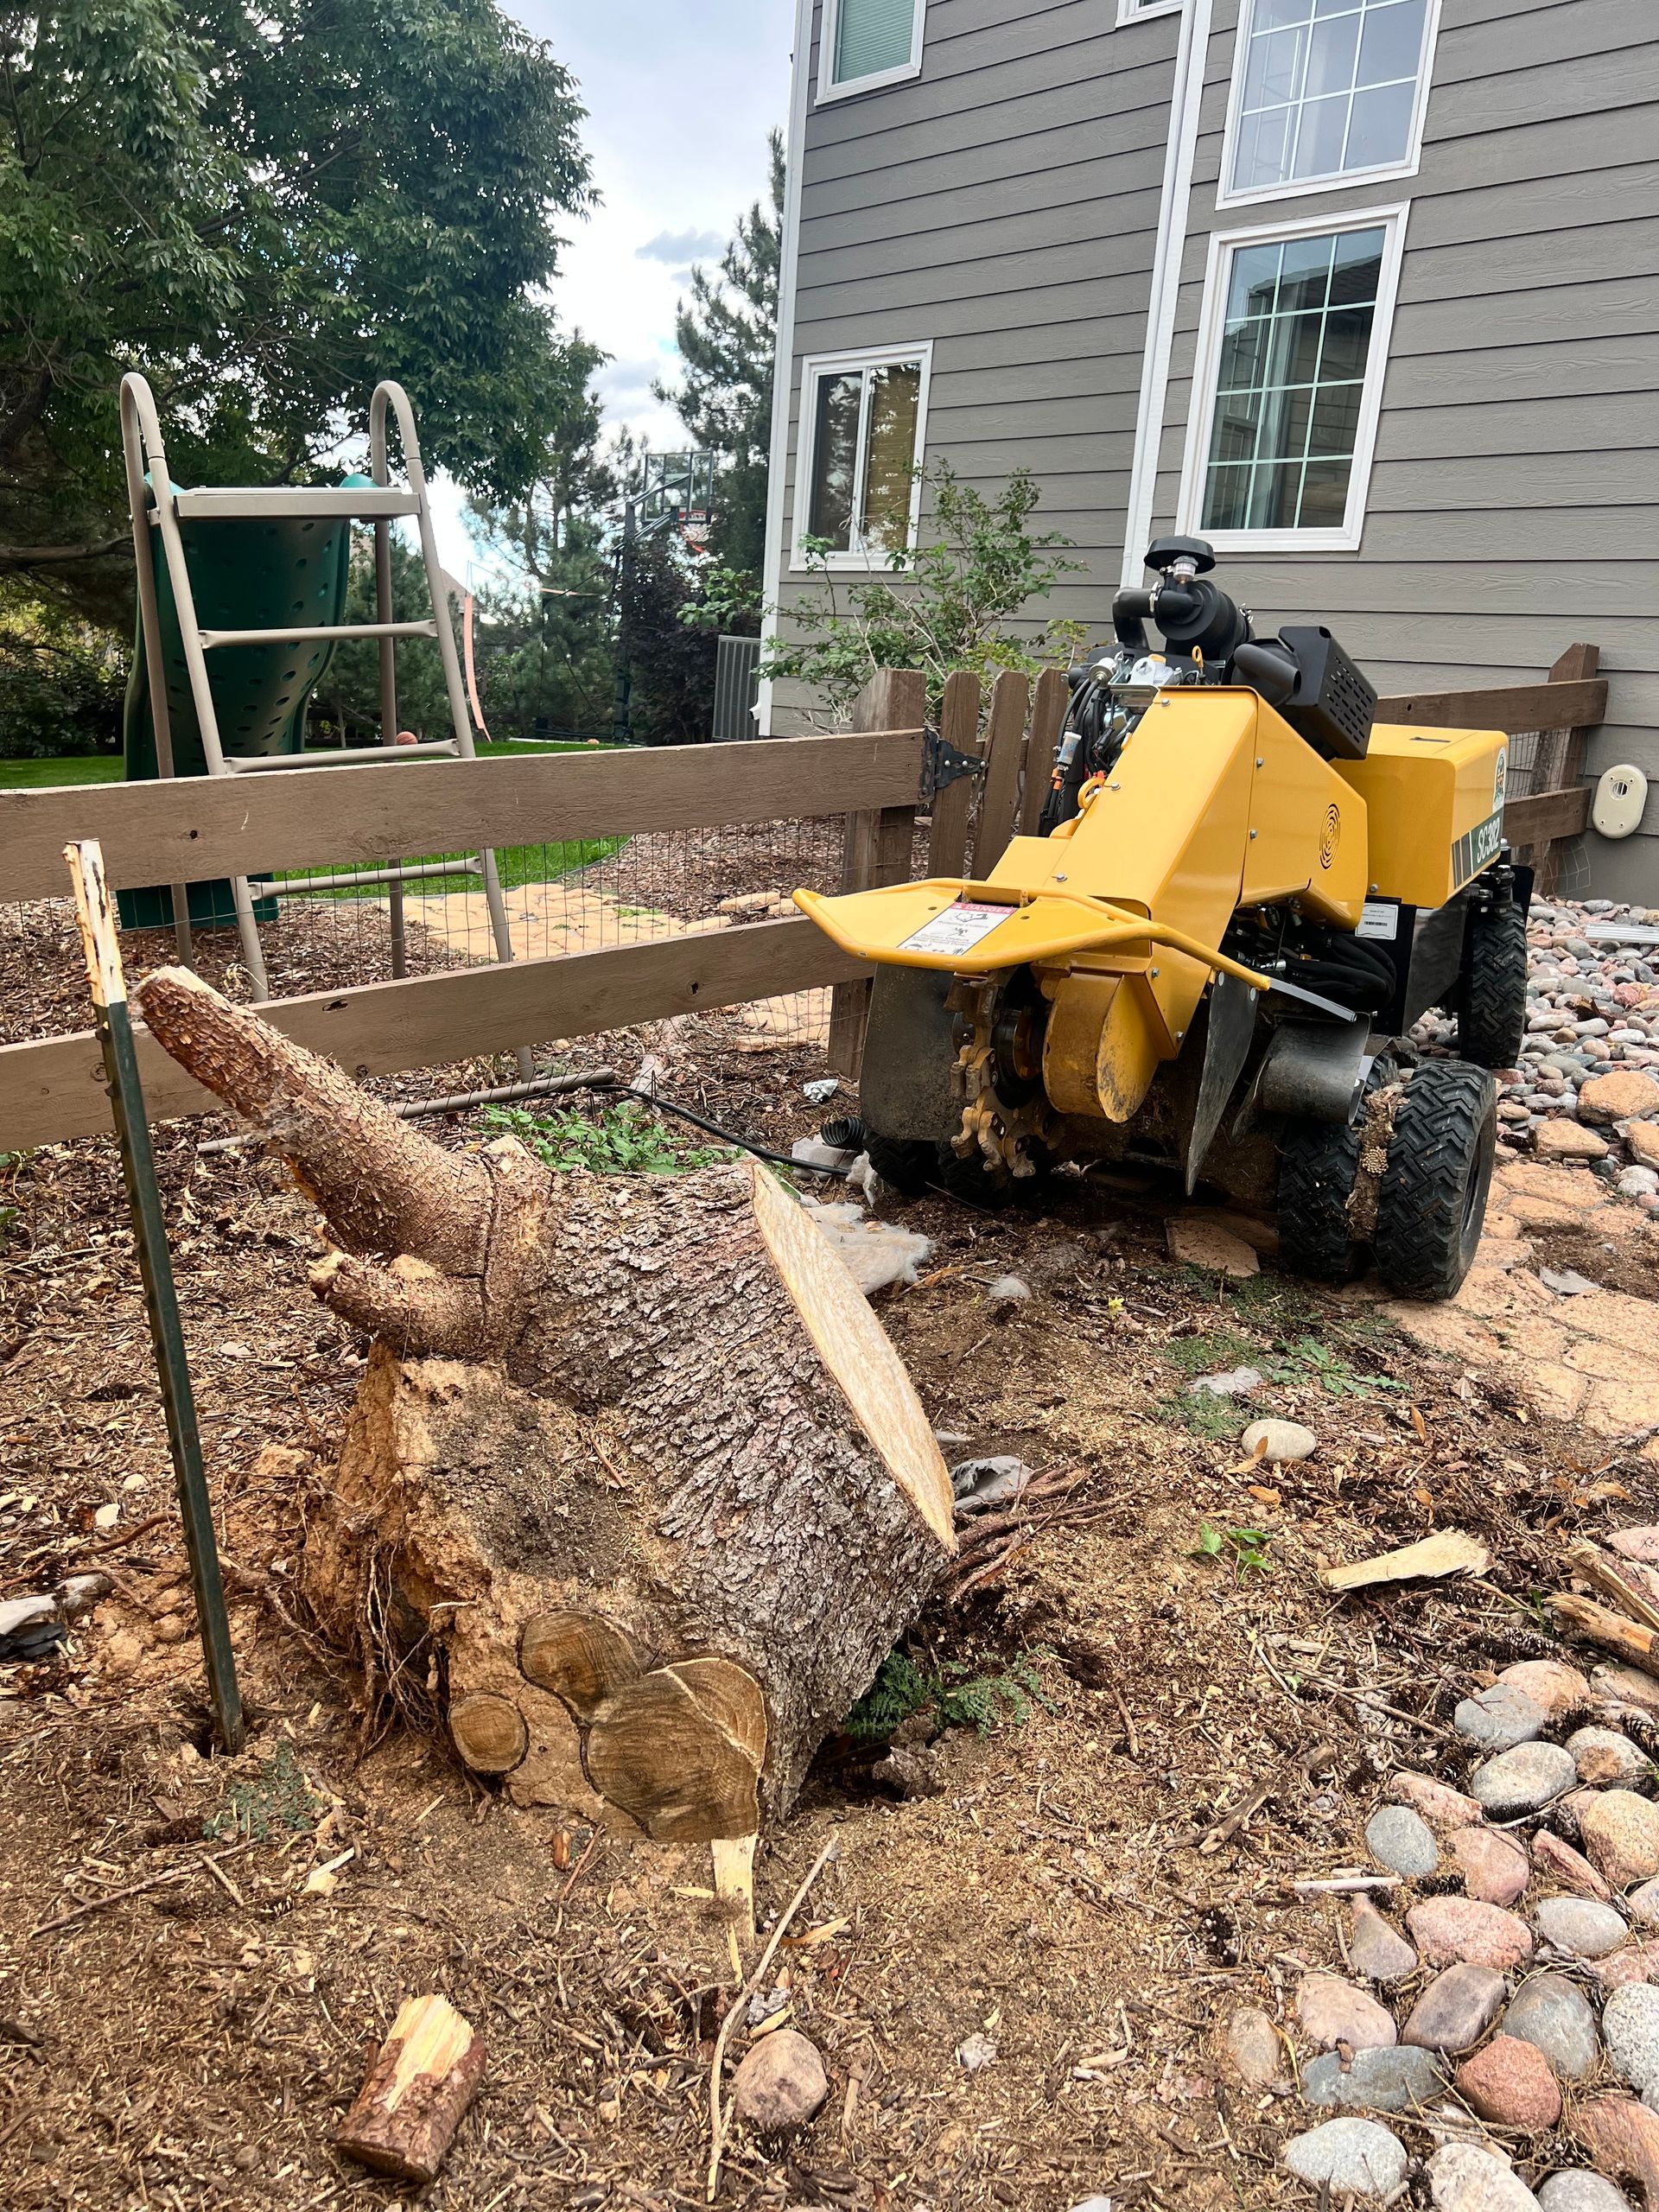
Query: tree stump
631,1456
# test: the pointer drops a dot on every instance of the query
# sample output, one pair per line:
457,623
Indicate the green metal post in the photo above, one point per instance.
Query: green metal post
114,1025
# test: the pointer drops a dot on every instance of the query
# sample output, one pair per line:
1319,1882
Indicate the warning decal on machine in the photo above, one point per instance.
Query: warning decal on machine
1475,848
958,928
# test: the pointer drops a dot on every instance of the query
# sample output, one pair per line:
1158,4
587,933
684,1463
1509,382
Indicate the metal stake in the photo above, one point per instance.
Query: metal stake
114,1025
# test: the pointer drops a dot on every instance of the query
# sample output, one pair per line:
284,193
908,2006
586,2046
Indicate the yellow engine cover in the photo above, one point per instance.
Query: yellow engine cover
1434,799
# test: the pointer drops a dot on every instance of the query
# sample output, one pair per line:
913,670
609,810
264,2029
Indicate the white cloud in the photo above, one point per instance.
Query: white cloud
677,248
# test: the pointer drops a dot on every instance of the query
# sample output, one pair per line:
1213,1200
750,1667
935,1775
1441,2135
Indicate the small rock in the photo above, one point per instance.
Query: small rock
1522,1780
1560,1690
1376,2080
1500,1718
1630,2024
1553,2014
1641,1543
1197,1243
780,2083
1643,1139
1254,2048
1452,1931
1579,1926
1620,1835
1375,1948
978,2050
1357,2155
1456,2009
106,1516
1628,1685
1630,1962
1578,2191
1603,1755
1643,1905
1566,1282
1008,1290
1402,1840
1465,2177
1236,1383
1637,1183
1495,1868
1564,1140
1281,1440
1442,1807
1569,1867
1332,2011
1508,2082
1623,2137
1625,1095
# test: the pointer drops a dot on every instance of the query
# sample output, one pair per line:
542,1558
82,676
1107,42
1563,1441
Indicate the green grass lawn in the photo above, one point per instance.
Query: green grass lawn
105,767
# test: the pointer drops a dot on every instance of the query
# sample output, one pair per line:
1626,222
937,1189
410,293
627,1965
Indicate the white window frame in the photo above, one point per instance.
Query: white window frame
829,32
1206,370
861,559
1140,11
1299,187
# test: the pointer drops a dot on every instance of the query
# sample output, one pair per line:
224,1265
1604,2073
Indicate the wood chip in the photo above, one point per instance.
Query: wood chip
1449,1553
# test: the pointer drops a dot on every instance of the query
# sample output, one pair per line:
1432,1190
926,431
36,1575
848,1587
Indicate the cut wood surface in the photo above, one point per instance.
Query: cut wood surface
195,828
54,1088
633,1451
425,2076
1600,1624
1448,1552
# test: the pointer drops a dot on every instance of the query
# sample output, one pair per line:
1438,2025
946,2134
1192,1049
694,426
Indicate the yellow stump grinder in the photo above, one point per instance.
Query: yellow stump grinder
1244,896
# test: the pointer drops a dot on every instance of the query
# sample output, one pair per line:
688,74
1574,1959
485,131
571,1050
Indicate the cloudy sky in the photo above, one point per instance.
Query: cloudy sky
680,95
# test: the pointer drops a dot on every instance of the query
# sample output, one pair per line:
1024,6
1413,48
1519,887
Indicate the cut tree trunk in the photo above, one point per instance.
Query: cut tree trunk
420,2085
634,1477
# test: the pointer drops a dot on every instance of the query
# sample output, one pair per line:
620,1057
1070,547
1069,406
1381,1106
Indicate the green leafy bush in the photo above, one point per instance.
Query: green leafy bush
616,1141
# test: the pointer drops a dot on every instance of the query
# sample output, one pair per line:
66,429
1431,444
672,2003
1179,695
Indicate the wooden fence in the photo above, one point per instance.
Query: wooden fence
52,1088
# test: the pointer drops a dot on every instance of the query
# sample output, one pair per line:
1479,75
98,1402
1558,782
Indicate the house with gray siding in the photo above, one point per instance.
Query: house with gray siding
1365,291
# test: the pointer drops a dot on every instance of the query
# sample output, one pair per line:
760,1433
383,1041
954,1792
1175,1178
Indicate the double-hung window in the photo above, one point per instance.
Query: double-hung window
1292,344
867,43
1325,90
863,424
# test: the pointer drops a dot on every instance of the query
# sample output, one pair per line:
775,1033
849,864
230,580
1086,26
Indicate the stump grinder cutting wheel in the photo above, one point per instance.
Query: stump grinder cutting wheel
1245,895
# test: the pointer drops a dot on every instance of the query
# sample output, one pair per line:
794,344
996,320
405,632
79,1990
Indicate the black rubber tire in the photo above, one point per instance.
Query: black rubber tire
1431,1199
1491,1006
974,1180
905,1162
1317,1162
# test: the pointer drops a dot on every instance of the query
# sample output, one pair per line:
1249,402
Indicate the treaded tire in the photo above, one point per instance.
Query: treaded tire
973,1179
1491,1005
906,1162
1431,1199
1317,1162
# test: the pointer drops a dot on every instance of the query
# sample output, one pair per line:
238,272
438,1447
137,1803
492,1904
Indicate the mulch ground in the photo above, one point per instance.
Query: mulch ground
1074,1901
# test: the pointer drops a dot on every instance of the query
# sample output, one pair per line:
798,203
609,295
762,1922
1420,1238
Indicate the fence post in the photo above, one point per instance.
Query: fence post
1005,744
1558,761
1047,719
877,848
952,807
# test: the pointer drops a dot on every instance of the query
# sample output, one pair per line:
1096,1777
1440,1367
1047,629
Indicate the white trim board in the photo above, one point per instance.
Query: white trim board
827,90
1201,409
783,373
1256,196
857,560
1142,11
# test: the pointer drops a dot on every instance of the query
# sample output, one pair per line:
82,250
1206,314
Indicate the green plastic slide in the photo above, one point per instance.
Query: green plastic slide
287,574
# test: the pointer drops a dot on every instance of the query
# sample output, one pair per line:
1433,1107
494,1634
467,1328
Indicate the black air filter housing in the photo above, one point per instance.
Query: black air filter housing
1333,706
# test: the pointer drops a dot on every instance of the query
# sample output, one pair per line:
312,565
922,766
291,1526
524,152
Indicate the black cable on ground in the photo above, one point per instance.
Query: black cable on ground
714,1129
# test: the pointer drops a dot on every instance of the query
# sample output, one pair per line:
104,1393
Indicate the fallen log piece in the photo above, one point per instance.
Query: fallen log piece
419,2086
1600,1624
634,1478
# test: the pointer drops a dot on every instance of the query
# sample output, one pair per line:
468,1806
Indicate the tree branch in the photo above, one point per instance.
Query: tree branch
15,558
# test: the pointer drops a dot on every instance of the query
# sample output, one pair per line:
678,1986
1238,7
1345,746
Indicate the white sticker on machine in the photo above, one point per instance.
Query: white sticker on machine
958,928
1379,918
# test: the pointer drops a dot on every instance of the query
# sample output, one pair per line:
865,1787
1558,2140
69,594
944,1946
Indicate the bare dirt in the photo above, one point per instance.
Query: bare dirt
1072,1908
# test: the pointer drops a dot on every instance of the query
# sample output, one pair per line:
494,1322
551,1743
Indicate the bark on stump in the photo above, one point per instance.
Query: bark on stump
631,1454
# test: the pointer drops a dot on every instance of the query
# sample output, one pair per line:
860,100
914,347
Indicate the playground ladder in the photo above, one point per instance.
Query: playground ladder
162,506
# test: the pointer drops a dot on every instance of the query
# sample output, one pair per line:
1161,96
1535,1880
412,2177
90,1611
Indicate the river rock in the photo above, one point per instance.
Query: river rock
1255,2048
1570,1868
1332,2011
1554,2015
1376,2080
1462,1930
1630,1962
1643,1905
1509,2082
1561,1689
1630,2026
1603,1756
1463,2177
1280,1440
1376,1948
1357,2155
1579,2192
1456,2009
1627,1685
1579,1926
1494,1867
1442,1807
1620,1835
1622,2138
780,2083
1499,1717
1564,1140
1522,1780
1626,1094
1402,1841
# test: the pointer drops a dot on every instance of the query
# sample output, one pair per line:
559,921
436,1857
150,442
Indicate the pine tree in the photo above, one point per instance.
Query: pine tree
726,334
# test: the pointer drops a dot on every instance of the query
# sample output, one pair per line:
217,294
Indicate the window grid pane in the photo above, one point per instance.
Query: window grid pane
1291,381
1329,87
872,36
